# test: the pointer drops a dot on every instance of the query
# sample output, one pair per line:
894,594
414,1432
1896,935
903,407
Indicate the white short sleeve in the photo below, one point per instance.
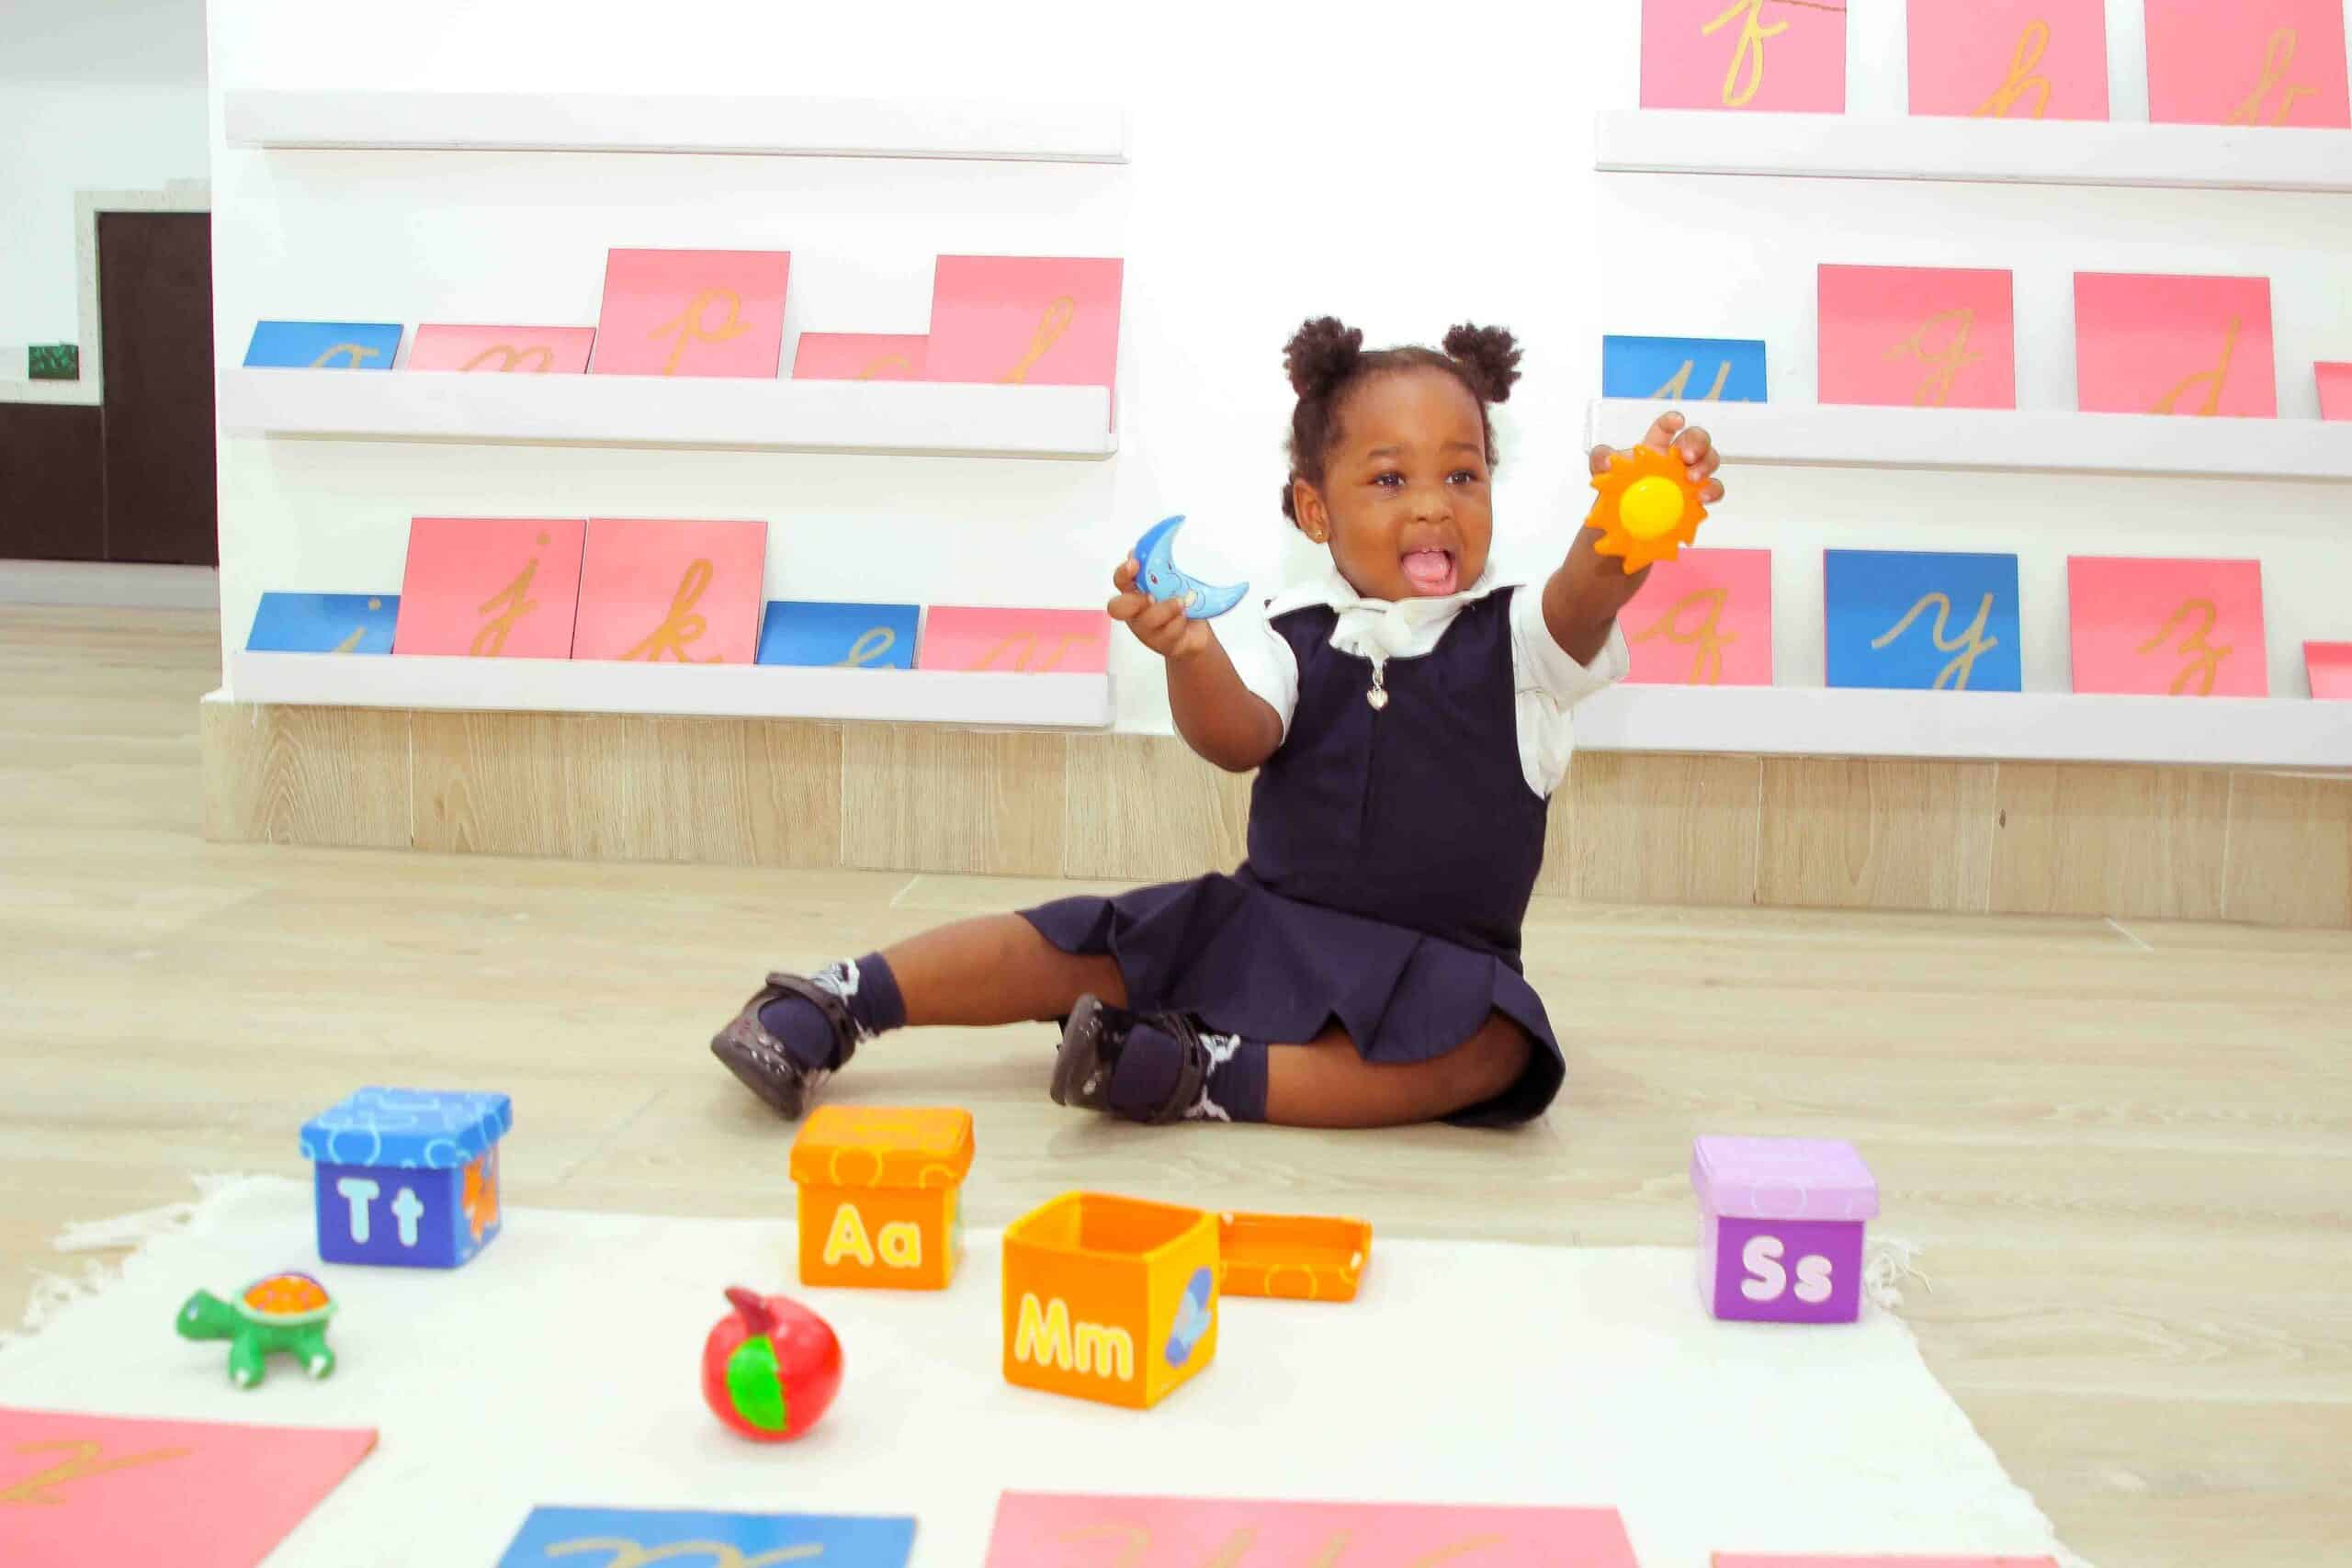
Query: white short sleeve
1261,658
1549,683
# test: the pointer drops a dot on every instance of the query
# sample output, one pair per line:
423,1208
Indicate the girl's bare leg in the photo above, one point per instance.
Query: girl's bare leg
1325,1084
996,970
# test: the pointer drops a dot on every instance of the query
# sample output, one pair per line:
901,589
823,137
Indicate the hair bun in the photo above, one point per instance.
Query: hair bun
1488,357
1320,355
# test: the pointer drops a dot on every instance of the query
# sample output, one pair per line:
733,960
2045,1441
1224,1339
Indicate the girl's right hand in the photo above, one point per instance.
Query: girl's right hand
1159,624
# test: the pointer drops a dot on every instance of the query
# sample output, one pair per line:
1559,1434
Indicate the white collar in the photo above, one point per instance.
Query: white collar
1381,629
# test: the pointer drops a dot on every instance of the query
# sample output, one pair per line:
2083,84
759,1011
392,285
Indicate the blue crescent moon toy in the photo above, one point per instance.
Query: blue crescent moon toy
1162,579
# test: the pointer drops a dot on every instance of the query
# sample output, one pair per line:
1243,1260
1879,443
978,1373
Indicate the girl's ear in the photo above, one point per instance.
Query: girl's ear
1314,518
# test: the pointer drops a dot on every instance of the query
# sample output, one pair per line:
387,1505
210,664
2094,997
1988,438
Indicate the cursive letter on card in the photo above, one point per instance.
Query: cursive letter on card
1707,638
1679,385
2280,56
514,358
2032,44
689,328
355,353
517,599
682,625
1970,645
1944,361
2204,664
870,645
84,1459
621,1553
2215,379
1059,312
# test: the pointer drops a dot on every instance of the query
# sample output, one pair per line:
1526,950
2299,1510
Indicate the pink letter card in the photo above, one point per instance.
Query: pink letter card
1704,619
656,590
1785,55
2167,628
1917,337
692,313
2334,392
859,357
562,351
1044,321
1035,1529
2330,665
105,1489
491,587
2009,59
2247,62
2151,344
1034,642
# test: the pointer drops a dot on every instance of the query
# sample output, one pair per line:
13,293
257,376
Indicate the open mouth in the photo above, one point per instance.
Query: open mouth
1430,573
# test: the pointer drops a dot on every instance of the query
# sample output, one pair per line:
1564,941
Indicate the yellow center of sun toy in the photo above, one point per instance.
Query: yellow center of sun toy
1648,508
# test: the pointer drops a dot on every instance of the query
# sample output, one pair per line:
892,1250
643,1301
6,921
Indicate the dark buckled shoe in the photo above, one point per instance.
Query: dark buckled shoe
1092,1041
759,1058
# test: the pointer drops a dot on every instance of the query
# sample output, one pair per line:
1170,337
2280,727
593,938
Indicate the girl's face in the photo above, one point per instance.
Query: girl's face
1405,502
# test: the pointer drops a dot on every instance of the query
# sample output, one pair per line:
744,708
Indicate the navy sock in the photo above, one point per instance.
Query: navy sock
866,988
1237,1080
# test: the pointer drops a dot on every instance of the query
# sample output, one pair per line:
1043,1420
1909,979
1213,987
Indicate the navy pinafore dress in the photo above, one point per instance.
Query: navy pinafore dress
1391,855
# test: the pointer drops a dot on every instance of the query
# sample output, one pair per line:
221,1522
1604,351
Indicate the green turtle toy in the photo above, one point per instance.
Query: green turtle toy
284,1312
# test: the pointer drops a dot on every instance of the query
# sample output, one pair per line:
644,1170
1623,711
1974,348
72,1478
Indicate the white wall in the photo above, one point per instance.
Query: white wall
1401,168
93,96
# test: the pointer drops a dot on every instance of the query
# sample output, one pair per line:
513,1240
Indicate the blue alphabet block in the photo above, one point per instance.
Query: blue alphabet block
408,1177
1921,620
1687,369
332,345
324,623
857,636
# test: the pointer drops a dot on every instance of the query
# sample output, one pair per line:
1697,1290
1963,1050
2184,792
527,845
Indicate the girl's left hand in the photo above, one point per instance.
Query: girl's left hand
1693,445
1598,586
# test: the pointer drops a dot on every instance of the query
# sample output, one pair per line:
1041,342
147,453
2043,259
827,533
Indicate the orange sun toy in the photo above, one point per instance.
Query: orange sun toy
1648,508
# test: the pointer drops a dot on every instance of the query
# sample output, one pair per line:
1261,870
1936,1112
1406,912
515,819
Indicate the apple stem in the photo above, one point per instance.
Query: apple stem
754,1311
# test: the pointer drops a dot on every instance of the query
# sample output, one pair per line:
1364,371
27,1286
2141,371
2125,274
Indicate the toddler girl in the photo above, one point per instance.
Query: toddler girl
1408,719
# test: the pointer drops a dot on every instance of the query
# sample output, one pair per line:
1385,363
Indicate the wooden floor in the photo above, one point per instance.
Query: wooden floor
2123,1151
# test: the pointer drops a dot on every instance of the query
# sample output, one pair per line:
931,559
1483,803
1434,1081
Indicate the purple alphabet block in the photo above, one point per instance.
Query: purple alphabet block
1780,1223
408,1177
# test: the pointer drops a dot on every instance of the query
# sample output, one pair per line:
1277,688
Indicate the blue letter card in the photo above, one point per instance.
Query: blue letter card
857,636
332,346
1918,620
608,1538
324,623
1687,369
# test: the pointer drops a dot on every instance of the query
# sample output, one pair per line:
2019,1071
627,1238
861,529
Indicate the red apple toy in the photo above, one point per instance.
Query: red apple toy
770,1370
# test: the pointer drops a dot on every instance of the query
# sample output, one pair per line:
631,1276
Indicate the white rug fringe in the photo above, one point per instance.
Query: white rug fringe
1886,1264
54,1294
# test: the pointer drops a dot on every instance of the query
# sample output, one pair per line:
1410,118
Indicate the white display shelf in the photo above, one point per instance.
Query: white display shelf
2283,732
899,417
2003,152
1817,435
974,701
1008,128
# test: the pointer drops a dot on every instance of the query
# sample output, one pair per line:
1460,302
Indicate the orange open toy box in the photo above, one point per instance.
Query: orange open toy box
1110,1299
1299,1258
878,1190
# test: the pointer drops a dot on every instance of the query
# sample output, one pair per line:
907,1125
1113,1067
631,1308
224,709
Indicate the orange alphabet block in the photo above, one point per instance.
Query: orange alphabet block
878,1192
1109,1299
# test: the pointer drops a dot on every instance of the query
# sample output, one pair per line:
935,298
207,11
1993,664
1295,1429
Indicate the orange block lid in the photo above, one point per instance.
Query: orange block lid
874,1145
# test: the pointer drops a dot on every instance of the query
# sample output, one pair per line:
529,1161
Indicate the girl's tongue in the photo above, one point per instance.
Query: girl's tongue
1430,572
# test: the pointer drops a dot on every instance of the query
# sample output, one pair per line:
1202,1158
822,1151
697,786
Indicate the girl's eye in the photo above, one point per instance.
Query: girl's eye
1391,478
1464,476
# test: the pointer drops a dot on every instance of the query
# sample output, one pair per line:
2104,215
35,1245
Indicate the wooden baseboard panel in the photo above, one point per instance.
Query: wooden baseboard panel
2126,841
